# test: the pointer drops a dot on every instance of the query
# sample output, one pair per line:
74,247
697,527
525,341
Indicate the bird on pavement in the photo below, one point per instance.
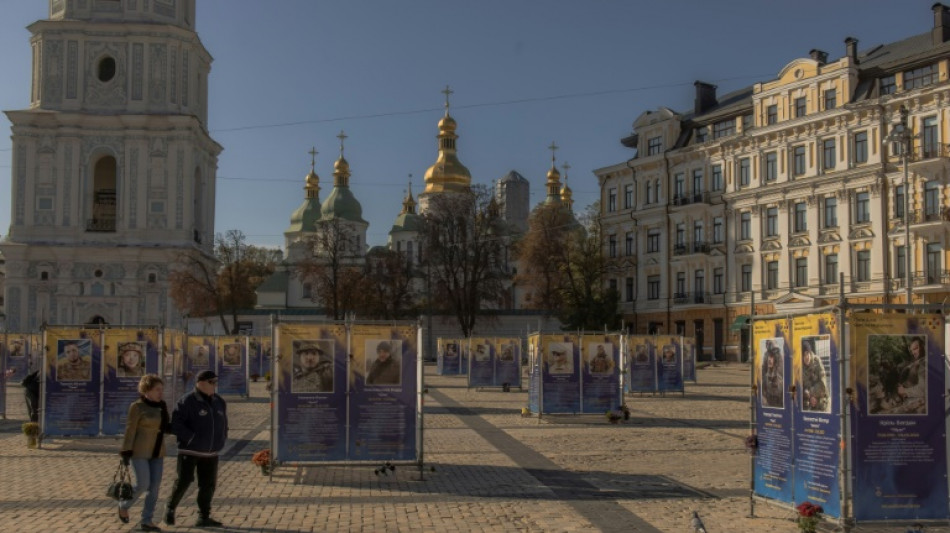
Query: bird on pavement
697,522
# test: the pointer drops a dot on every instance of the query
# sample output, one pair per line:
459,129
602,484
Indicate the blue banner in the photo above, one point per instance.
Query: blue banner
773,458
601,373
898,418
200,355
127,356
311,393
450,359
508,363
255,357
669,367
71,402
689,359
534,373
641,375
482,372
816,406
17,358
383,404
560,375
232,365
173,347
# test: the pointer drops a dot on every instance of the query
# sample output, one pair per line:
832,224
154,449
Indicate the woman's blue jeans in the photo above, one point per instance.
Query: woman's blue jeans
148,479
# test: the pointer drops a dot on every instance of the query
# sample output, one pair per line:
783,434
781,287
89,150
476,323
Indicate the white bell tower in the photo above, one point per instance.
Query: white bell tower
113,169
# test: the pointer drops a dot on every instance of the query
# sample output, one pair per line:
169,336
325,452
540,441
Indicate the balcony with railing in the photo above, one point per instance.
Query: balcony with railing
697,247
690,198
692,298
936,277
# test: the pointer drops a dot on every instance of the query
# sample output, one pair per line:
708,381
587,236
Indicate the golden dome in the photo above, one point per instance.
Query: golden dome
447,124
448,174
312,180
553,174
341,165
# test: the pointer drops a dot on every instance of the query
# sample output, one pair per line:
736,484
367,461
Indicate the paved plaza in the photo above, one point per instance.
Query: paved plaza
493,471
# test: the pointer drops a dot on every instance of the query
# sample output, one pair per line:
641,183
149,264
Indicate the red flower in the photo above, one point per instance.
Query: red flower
261,458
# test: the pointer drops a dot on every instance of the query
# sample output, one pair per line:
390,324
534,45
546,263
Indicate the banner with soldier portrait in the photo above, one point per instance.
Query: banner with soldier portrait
898,419
482,365
232,365
641,369
71,402
600,373
449,357
255,358
689,358
311,392
772,348
815,404
669,364
534,373
128,354
199,355
384,381
508,362
173,349
560,374
16,357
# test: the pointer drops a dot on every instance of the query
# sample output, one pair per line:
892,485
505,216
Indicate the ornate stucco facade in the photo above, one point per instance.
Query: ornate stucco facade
780,190
113,169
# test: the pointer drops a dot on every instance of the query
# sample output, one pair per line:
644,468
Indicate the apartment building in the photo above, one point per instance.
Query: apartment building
778,192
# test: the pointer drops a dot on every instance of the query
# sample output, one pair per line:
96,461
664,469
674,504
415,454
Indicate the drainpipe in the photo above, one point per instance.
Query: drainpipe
636,225
666,220
885,200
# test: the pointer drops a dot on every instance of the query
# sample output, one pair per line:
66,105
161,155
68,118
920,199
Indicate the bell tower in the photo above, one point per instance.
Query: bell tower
113,169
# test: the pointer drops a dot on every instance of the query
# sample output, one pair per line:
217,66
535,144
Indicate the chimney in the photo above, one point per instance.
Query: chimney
851,49
705,97
818,55
941,30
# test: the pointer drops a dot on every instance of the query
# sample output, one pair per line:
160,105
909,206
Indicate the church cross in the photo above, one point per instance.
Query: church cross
553,149
447,92
313,156
342,136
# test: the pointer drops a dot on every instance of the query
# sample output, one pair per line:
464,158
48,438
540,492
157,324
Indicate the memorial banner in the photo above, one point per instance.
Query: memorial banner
173,344
199,355
16,358
560,374
482,369
465,348
773,459
232,365
601,373
267,357
383,401
641,372
311,392
128,354
449,357
255,358
898,423
689,358
816,406
669,364
508,362
71,402
534,373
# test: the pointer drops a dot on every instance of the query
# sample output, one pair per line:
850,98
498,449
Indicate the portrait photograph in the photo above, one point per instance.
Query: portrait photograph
199,357
74,360
599,358
897,375
641,354
451,350
772,380
669,354
383,362
816,369
508,353
231,354
16,348
313,366
482,352
560,358
130,361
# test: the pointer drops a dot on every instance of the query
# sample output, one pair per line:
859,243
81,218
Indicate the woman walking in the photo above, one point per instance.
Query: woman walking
144,447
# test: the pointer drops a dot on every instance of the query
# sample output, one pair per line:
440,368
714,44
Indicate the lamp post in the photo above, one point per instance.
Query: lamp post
901,133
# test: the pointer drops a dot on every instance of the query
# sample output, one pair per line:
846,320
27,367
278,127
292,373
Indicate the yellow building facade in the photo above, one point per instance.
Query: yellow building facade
787,193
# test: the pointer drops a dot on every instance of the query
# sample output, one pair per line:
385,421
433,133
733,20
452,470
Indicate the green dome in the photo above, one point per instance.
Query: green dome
305,217
407,222
342,204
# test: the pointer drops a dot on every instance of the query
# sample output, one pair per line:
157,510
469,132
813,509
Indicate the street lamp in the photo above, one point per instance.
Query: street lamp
901,133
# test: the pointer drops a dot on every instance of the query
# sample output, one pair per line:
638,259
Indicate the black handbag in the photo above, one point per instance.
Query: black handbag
121,486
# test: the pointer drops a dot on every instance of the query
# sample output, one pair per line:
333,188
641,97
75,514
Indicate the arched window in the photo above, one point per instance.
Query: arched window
103,195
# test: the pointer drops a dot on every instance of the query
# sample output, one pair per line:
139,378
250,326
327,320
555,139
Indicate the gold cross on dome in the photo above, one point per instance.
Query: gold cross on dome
313,156
447,91
566,166
342,136
553,149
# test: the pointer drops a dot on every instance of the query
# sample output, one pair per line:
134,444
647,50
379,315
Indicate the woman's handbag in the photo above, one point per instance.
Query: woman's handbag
121,486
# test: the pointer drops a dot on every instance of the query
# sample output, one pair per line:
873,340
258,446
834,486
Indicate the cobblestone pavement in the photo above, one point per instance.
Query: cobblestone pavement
493,471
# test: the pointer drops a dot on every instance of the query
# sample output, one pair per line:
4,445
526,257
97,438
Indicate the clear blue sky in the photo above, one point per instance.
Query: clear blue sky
290,74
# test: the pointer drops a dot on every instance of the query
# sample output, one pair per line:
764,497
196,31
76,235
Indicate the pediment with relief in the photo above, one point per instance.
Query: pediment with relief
861,233
794,300
744,249
800,241
831,236
771,245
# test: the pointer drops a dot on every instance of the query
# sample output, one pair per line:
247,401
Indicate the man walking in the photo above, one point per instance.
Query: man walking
200,422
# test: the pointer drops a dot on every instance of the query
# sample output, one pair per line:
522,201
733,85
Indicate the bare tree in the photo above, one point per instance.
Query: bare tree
223,284
463,251
389,291
335,268
543,256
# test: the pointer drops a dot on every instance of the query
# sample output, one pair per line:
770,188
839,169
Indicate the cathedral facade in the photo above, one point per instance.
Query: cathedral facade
113,169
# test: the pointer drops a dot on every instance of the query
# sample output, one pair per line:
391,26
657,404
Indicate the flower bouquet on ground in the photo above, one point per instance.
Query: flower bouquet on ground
262,459
809,516
32,432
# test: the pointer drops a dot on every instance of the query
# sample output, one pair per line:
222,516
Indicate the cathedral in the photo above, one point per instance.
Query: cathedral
113,169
